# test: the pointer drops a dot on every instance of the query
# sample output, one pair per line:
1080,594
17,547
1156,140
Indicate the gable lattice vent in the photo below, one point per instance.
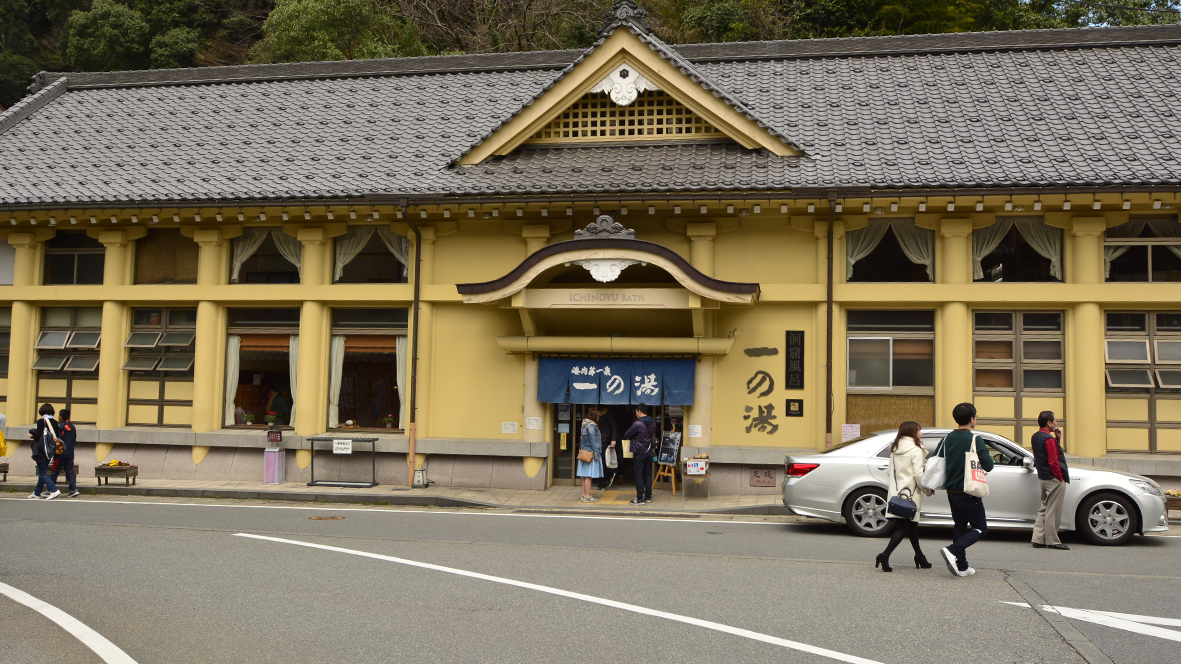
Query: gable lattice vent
653,115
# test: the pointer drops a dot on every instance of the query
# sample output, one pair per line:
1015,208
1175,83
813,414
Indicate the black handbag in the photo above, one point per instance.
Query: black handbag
902,505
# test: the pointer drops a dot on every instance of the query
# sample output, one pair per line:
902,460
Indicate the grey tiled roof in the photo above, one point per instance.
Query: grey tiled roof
1084,108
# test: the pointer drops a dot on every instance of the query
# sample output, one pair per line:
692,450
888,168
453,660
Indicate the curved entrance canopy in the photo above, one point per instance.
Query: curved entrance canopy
606,259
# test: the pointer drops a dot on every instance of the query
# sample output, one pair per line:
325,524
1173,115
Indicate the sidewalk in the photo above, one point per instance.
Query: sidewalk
561,498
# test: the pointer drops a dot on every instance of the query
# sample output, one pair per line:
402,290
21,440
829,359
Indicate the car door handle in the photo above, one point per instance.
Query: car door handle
883,467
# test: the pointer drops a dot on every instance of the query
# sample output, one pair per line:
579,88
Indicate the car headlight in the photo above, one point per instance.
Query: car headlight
1147,487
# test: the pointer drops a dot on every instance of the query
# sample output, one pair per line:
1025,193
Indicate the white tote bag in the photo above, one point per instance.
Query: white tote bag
935,471
611,458
975,478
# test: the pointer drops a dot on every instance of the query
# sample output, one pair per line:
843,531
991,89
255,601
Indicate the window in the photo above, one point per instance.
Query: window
267,263
73,257
890,250
653,115
890,369
369,368
164,256
1013,256
1017,356
1144,249
357,319
67,365
371,255
1143,355
160,377
264,363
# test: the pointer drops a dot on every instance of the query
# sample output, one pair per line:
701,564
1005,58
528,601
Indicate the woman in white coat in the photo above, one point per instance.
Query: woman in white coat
907,459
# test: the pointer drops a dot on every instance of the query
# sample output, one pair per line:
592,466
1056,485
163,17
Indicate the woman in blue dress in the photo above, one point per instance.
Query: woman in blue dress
590,441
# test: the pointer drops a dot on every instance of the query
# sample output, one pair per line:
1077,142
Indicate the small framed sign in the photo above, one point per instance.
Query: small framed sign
795,408
508,427
342,446
532,422
694,430
274,435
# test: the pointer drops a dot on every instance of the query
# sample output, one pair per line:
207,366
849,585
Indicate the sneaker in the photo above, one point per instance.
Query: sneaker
75,493
648,499
34,495
53,495
949,558
637,501
586,499
969,572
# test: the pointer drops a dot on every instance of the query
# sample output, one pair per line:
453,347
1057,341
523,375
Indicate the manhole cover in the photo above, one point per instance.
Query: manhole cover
326,518
712,532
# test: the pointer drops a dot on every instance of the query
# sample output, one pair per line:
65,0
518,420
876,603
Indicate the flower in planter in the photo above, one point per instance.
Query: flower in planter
271,417
388,419
249,418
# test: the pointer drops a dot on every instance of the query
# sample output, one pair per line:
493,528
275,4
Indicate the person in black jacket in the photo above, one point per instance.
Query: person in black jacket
610,439
1050,461
642,433
69,436
43,443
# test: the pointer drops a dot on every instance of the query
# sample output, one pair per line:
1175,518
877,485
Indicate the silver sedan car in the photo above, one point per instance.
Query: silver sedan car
849,482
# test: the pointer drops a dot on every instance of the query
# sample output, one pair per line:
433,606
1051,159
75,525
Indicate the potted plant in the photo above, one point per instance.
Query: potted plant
249,419
389,421
271,417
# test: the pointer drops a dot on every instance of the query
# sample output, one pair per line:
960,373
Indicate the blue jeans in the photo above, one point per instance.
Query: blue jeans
66,464
967,512
43,478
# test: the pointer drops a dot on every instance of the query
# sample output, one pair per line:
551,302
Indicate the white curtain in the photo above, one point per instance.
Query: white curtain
403,391
293,370
917,243
1045,239
861,242
335,374
398,245
244,247
1125,231
290,247
1167,228
985,241
233,361
348,246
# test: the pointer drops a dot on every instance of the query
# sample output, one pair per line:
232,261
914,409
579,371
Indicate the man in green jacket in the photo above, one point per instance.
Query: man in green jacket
967,511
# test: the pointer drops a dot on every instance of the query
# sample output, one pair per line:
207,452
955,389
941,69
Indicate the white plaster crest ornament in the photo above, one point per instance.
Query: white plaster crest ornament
606,270
624,85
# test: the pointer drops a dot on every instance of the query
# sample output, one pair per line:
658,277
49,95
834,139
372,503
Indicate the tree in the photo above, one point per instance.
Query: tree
175,48
309,30
109,37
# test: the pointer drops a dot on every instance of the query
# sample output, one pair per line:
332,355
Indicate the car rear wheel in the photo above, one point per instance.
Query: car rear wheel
1107,519
865,513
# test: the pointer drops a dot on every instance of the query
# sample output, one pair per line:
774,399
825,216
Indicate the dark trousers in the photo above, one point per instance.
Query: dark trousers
904,528
642,465
968,514
66,464
43,478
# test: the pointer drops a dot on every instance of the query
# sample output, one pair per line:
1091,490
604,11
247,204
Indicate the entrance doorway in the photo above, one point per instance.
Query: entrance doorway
567,419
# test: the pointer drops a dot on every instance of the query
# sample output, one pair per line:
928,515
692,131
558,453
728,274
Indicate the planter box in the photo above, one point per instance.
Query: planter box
4,470
105,473
1173,502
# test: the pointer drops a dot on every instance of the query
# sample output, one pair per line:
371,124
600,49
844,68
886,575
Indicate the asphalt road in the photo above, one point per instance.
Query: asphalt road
173,582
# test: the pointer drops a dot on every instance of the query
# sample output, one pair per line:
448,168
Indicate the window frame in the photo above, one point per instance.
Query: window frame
1107,351
1147,372
1156,342
867,332
160,353
75,252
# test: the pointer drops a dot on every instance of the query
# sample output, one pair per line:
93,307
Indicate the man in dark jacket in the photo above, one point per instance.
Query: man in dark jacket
967,511
1052,472
69,436
610,439
44,438
641,434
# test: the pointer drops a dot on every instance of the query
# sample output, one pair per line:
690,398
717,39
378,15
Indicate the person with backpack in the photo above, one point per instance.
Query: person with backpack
967,510
641,433
45,444
69,436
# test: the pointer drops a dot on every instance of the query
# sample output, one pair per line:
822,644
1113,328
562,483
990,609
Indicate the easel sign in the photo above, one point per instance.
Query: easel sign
696,467
670,447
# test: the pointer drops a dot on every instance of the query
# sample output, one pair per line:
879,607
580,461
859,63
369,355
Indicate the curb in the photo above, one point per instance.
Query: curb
393,498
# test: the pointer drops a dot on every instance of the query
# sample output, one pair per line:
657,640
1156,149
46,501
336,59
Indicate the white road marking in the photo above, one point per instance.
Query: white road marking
380,510
719,627
109,652
1145,625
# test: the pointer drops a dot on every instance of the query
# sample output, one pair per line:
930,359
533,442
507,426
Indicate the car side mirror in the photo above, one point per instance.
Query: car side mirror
1027,463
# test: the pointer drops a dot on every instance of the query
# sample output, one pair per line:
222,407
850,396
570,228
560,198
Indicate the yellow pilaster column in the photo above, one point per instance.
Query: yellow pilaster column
311,404
953,334
1085,389
22,389
209,363
701,245
118,270
536,237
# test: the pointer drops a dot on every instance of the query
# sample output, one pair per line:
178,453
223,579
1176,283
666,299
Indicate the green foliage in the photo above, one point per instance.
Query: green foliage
175,48
15,72
309,30
109,37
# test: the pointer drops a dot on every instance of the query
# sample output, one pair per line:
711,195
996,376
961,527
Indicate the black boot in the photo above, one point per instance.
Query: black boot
883,561
920,561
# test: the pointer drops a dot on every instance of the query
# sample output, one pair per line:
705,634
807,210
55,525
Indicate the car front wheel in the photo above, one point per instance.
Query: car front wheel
865,513
1107,519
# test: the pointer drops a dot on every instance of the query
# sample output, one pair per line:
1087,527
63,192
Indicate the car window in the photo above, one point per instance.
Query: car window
930,443
1002,455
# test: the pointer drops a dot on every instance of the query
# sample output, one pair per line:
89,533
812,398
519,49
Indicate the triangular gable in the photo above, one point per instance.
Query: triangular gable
622,65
